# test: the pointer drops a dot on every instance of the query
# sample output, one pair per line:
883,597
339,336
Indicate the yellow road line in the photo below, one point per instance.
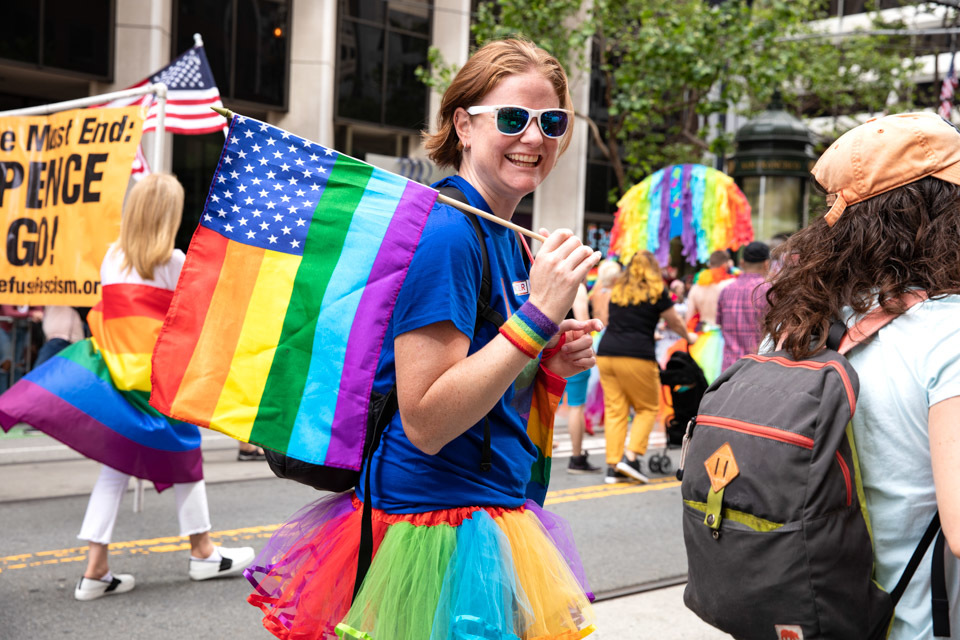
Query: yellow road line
607,491
170,544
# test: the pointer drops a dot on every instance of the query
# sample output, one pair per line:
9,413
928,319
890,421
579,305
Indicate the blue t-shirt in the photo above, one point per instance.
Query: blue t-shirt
443,284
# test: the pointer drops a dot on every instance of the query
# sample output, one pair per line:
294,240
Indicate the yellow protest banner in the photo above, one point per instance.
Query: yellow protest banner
63,178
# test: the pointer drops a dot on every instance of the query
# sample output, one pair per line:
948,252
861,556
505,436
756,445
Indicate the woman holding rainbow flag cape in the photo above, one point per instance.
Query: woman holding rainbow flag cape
460,549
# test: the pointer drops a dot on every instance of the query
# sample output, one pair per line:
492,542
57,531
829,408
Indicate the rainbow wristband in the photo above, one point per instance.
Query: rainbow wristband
529,330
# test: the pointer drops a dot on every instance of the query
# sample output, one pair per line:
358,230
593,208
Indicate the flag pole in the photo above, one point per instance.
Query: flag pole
226,113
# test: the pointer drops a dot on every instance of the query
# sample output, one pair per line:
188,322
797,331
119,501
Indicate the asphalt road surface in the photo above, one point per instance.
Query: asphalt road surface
628,535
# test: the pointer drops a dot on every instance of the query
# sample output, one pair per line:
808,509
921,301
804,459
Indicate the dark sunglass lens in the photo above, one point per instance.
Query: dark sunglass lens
553,123
512,120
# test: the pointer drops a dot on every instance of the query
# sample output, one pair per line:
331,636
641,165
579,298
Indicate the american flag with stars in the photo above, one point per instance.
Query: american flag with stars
267,187
191,91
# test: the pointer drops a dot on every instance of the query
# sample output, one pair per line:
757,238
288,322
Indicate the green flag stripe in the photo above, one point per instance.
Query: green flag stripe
291,362
82,353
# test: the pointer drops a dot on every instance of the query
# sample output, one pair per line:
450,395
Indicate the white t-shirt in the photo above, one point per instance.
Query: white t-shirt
164,276
910,365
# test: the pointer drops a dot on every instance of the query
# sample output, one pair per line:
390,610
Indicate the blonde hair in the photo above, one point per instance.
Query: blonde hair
151,217
608,272
641,281
482,72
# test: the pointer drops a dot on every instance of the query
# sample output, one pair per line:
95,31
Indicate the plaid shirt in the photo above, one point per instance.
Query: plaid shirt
738,314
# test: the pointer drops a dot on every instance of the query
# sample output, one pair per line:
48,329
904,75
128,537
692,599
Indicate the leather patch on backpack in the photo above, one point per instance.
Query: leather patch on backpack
789,632
721,467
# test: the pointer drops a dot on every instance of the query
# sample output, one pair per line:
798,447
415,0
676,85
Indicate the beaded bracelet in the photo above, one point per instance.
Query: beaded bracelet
529,330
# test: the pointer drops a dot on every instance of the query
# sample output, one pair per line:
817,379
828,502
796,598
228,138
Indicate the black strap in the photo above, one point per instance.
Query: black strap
835,336
915,559
485,312
938,590
365,552
486,455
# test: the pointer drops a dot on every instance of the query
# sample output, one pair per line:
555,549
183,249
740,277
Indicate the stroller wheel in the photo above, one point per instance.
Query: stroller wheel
665,464
654,463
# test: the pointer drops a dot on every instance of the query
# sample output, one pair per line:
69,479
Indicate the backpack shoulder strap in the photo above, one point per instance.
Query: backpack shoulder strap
874,321
915,559
485,312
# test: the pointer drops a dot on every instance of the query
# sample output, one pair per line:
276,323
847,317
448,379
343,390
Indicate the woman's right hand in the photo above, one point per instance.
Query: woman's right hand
561,265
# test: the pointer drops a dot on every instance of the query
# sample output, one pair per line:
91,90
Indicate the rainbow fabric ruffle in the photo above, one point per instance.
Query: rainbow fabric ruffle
698,204
477,573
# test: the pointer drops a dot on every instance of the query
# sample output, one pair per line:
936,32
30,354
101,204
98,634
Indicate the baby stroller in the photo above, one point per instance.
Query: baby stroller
687,384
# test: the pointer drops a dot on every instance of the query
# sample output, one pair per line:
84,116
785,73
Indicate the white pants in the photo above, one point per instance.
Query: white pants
98,522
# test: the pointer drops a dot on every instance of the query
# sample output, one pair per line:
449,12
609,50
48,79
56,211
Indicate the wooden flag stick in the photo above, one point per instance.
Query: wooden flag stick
226,113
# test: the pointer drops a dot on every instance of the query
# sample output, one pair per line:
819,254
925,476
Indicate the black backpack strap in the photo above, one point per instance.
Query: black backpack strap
835,336
915,559
365,552
938,590
485,312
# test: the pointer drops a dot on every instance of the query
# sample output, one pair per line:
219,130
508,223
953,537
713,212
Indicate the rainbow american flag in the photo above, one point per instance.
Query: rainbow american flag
276,327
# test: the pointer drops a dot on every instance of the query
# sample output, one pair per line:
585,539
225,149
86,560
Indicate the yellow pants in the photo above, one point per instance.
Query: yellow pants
628,382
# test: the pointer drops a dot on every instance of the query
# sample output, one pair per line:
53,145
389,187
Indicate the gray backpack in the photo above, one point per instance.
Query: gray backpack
778,540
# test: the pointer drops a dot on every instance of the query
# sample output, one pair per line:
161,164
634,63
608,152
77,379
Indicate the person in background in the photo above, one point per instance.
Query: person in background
16,341
608,273
892,232
742,303
576,398
144,256
626,358
665,336
62,326
775,243
702,298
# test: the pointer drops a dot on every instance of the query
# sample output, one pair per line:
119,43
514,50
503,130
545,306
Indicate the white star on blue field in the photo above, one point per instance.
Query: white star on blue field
267,187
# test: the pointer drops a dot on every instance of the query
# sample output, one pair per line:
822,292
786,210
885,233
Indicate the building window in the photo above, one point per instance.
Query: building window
247,44
195,159
381,43
60,35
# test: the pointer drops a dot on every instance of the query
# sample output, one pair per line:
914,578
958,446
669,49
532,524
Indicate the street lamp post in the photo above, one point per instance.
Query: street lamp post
772,167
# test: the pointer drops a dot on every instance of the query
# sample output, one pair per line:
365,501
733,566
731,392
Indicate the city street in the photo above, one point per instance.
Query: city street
629,537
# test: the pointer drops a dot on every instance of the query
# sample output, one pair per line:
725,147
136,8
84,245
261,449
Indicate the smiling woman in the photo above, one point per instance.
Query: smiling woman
456,485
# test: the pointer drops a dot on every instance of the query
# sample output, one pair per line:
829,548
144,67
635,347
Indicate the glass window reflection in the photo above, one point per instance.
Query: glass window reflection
381,44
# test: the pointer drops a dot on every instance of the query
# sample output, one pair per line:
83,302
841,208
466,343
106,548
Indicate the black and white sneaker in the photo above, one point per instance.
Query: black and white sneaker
580,464
91,589
232,562
631,470
613,476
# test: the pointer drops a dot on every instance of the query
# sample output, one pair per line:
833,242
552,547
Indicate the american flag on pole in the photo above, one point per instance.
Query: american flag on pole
947,90
191,91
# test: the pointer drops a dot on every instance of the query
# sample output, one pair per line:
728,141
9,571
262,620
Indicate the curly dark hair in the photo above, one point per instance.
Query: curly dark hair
907,238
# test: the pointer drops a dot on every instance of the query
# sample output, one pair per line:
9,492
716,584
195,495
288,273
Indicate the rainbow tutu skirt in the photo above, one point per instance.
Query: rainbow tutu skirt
472,573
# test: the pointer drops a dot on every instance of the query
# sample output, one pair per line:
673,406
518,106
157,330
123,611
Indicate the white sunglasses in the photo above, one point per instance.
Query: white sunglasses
513,120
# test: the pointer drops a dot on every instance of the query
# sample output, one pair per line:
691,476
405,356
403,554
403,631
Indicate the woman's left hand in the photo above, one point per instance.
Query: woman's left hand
576,354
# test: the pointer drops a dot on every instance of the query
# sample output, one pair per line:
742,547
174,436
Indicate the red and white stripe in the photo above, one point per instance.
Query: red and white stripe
188,111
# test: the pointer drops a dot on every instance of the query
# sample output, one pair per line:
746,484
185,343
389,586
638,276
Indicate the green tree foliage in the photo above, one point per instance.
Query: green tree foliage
666,66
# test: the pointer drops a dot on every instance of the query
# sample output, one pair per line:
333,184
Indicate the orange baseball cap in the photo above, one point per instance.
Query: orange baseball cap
886,153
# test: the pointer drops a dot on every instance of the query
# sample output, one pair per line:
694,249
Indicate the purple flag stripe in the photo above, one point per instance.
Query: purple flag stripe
35,405
370,325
